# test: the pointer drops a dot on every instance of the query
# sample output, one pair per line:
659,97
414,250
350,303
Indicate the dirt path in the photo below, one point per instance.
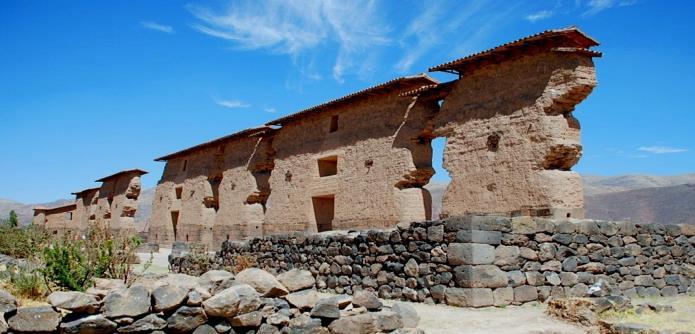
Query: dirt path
436,319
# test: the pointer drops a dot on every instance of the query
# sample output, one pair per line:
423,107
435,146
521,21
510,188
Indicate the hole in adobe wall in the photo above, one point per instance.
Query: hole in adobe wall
175,222
179,191
334,124
493,142
569,215
328,166
288,176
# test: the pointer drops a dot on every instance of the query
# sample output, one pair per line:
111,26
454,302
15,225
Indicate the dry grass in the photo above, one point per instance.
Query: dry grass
680,320
244,261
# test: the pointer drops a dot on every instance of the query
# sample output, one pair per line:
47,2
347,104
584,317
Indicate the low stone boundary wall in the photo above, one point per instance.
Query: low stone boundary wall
480,261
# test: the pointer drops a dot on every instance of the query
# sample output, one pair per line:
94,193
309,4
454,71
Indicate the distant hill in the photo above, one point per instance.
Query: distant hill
664,205
640,198
595,185
25,212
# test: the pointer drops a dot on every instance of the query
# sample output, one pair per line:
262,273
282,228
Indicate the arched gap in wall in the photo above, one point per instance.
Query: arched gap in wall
440,180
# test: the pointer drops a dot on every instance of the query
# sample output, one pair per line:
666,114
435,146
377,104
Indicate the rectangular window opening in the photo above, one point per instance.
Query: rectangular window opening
334,124
324,212
179,191
328,166
68,215
174,222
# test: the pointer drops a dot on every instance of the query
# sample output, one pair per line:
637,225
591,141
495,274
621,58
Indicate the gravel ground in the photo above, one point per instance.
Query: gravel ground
160,261
436,319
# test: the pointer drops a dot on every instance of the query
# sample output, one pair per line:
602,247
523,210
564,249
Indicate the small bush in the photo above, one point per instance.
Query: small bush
72,264
67,266
28,284
244,261
23,243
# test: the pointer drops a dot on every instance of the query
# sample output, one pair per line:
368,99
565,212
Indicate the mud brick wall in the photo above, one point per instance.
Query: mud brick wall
481,260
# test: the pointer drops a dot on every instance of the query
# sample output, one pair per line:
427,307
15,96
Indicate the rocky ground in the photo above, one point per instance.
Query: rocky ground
253,301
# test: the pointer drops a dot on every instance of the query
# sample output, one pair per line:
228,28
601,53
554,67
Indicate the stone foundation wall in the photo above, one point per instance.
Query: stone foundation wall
481,260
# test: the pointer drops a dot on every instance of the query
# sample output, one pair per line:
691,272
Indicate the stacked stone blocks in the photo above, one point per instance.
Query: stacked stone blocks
483,260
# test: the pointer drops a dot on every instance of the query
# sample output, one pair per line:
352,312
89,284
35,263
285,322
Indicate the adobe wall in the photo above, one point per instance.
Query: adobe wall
381,167
85,211
208,215
59,221
512,139
477,261
116,203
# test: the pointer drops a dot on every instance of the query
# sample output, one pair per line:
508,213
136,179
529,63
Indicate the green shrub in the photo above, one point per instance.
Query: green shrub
67,266
28,284
23,243
72,264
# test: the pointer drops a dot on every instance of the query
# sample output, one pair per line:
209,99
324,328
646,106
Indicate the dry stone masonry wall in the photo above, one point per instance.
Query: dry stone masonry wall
477,261
217,302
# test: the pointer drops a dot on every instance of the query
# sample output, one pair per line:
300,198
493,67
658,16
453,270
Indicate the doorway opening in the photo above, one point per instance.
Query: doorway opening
174,221
324,212
440,180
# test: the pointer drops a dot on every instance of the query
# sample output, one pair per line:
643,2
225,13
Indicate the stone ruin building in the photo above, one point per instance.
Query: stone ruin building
113,204
361,161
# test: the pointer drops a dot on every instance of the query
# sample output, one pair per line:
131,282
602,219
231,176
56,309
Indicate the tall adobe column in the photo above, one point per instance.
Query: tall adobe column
511,136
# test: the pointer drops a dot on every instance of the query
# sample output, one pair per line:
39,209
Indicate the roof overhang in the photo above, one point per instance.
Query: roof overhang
252,132
123,172
569,39
398,84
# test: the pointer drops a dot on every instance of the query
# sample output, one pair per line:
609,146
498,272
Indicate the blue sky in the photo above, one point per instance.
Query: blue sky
88,88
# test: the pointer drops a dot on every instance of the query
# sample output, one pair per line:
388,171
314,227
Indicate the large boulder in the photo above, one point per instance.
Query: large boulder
186,319
215,280
226,303
297,279
261,280
90,324
407,313
131,302
148,323
74,301
8,303
303,300
168,297
108,284
251,319
367,299
187,282
326,308
35,319
356,324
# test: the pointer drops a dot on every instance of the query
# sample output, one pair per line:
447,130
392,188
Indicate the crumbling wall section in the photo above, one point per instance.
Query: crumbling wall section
116,203
512,139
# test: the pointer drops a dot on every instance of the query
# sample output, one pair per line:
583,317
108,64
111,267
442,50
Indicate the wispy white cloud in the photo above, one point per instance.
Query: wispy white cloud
596,6
537,16
435,26
158,27
270,110
232,104
298,28
661,149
